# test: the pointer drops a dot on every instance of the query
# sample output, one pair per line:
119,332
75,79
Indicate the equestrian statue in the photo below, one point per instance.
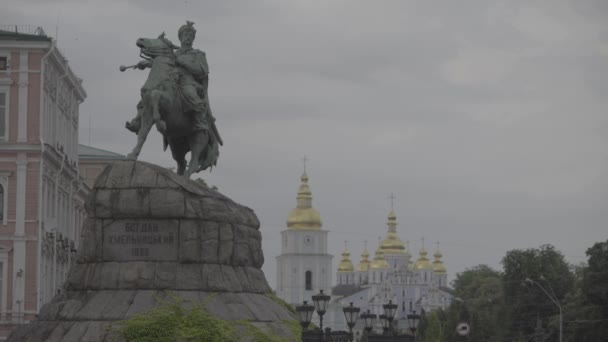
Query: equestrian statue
174,98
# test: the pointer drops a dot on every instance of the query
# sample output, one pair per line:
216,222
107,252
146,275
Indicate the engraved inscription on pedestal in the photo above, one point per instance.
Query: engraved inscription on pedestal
139,240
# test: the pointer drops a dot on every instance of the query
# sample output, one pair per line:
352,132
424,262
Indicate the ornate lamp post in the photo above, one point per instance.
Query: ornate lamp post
305,314
389,311
351,313
552,298
321,300
412,320
368,320
386,324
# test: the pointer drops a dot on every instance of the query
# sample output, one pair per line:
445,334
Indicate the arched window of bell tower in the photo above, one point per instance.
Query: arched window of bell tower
308,280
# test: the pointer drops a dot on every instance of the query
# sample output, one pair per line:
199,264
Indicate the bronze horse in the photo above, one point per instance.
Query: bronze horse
162,104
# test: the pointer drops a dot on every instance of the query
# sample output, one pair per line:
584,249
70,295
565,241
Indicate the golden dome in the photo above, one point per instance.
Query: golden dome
392,244
364,264
304,216
345,264
423,262
379,261
438,266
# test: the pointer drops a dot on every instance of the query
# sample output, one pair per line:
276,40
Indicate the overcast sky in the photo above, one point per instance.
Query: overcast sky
488,120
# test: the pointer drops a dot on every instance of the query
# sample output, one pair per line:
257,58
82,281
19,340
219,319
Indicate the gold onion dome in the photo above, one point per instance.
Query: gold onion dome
345,264
364,264
438,266
423,262
392,244
379,261
304,216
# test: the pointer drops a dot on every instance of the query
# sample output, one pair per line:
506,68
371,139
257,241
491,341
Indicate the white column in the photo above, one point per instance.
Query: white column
19,270
23,89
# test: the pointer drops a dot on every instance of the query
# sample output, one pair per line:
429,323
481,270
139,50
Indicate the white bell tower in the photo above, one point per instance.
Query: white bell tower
304,267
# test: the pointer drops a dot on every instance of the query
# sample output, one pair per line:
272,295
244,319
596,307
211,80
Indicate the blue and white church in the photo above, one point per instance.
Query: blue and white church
304,267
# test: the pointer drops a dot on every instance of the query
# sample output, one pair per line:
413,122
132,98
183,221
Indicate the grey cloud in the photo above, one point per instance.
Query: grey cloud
486,118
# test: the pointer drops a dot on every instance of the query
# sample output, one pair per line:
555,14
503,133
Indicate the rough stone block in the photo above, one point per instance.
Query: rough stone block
165,275
76,277
250,218
209,251
103,202
225,251
136,275
96,331
194,208
241,255
242,233
215,210
189,277
60,330
256,305
119,305
93,277
257,280
120,175
89,203
242,278
109,275
209,230
166,203
71,307
132,203
215,279
87,251
190,241
95,305
143,301
236,309
230,278
101,180
143,177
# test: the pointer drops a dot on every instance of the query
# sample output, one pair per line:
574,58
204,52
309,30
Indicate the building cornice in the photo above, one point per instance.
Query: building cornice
19,148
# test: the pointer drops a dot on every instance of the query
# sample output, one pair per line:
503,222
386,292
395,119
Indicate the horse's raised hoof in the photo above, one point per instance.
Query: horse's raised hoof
161,126
131,156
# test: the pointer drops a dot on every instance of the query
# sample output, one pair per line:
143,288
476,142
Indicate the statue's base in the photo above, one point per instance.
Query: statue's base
152,234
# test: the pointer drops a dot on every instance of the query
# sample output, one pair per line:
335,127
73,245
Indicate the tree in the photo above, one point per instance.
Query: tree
527,302
586,308
432,333
479,301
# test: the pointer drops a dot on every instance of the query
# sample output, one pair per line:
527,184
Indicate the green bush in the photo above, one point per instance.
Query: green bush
172,321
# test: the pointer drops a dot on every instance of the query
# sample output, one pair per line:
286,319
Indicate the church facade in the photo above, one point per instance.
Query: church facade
392,274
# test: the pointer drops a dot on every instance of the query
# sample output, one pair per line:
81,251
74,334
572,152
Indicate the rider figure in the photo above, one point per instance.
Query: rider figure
193,80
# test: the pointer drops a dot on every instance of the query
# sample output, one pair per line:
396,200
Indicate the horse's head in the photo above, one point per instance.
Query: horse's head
155,47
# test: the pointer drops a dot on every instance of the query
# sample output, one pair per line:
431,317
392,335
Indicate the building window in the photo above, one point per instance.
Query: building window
308,284
3,63
1,202
3,114
4,175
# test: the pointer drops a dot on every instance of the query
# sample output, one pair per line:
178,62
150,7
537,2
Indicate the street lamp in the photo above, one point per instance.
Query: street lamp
368,320
320,301
386,324
305,313
351,313
412,320
553,299
389,310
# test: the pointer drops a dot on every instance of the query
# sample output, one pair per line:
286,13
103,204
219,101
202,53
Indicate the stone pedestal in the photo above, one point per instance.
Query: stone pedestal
151,232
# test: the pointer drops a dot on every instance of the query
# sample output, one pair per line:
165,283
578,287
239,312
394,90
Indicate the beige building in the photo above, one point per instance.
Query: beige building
92,161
